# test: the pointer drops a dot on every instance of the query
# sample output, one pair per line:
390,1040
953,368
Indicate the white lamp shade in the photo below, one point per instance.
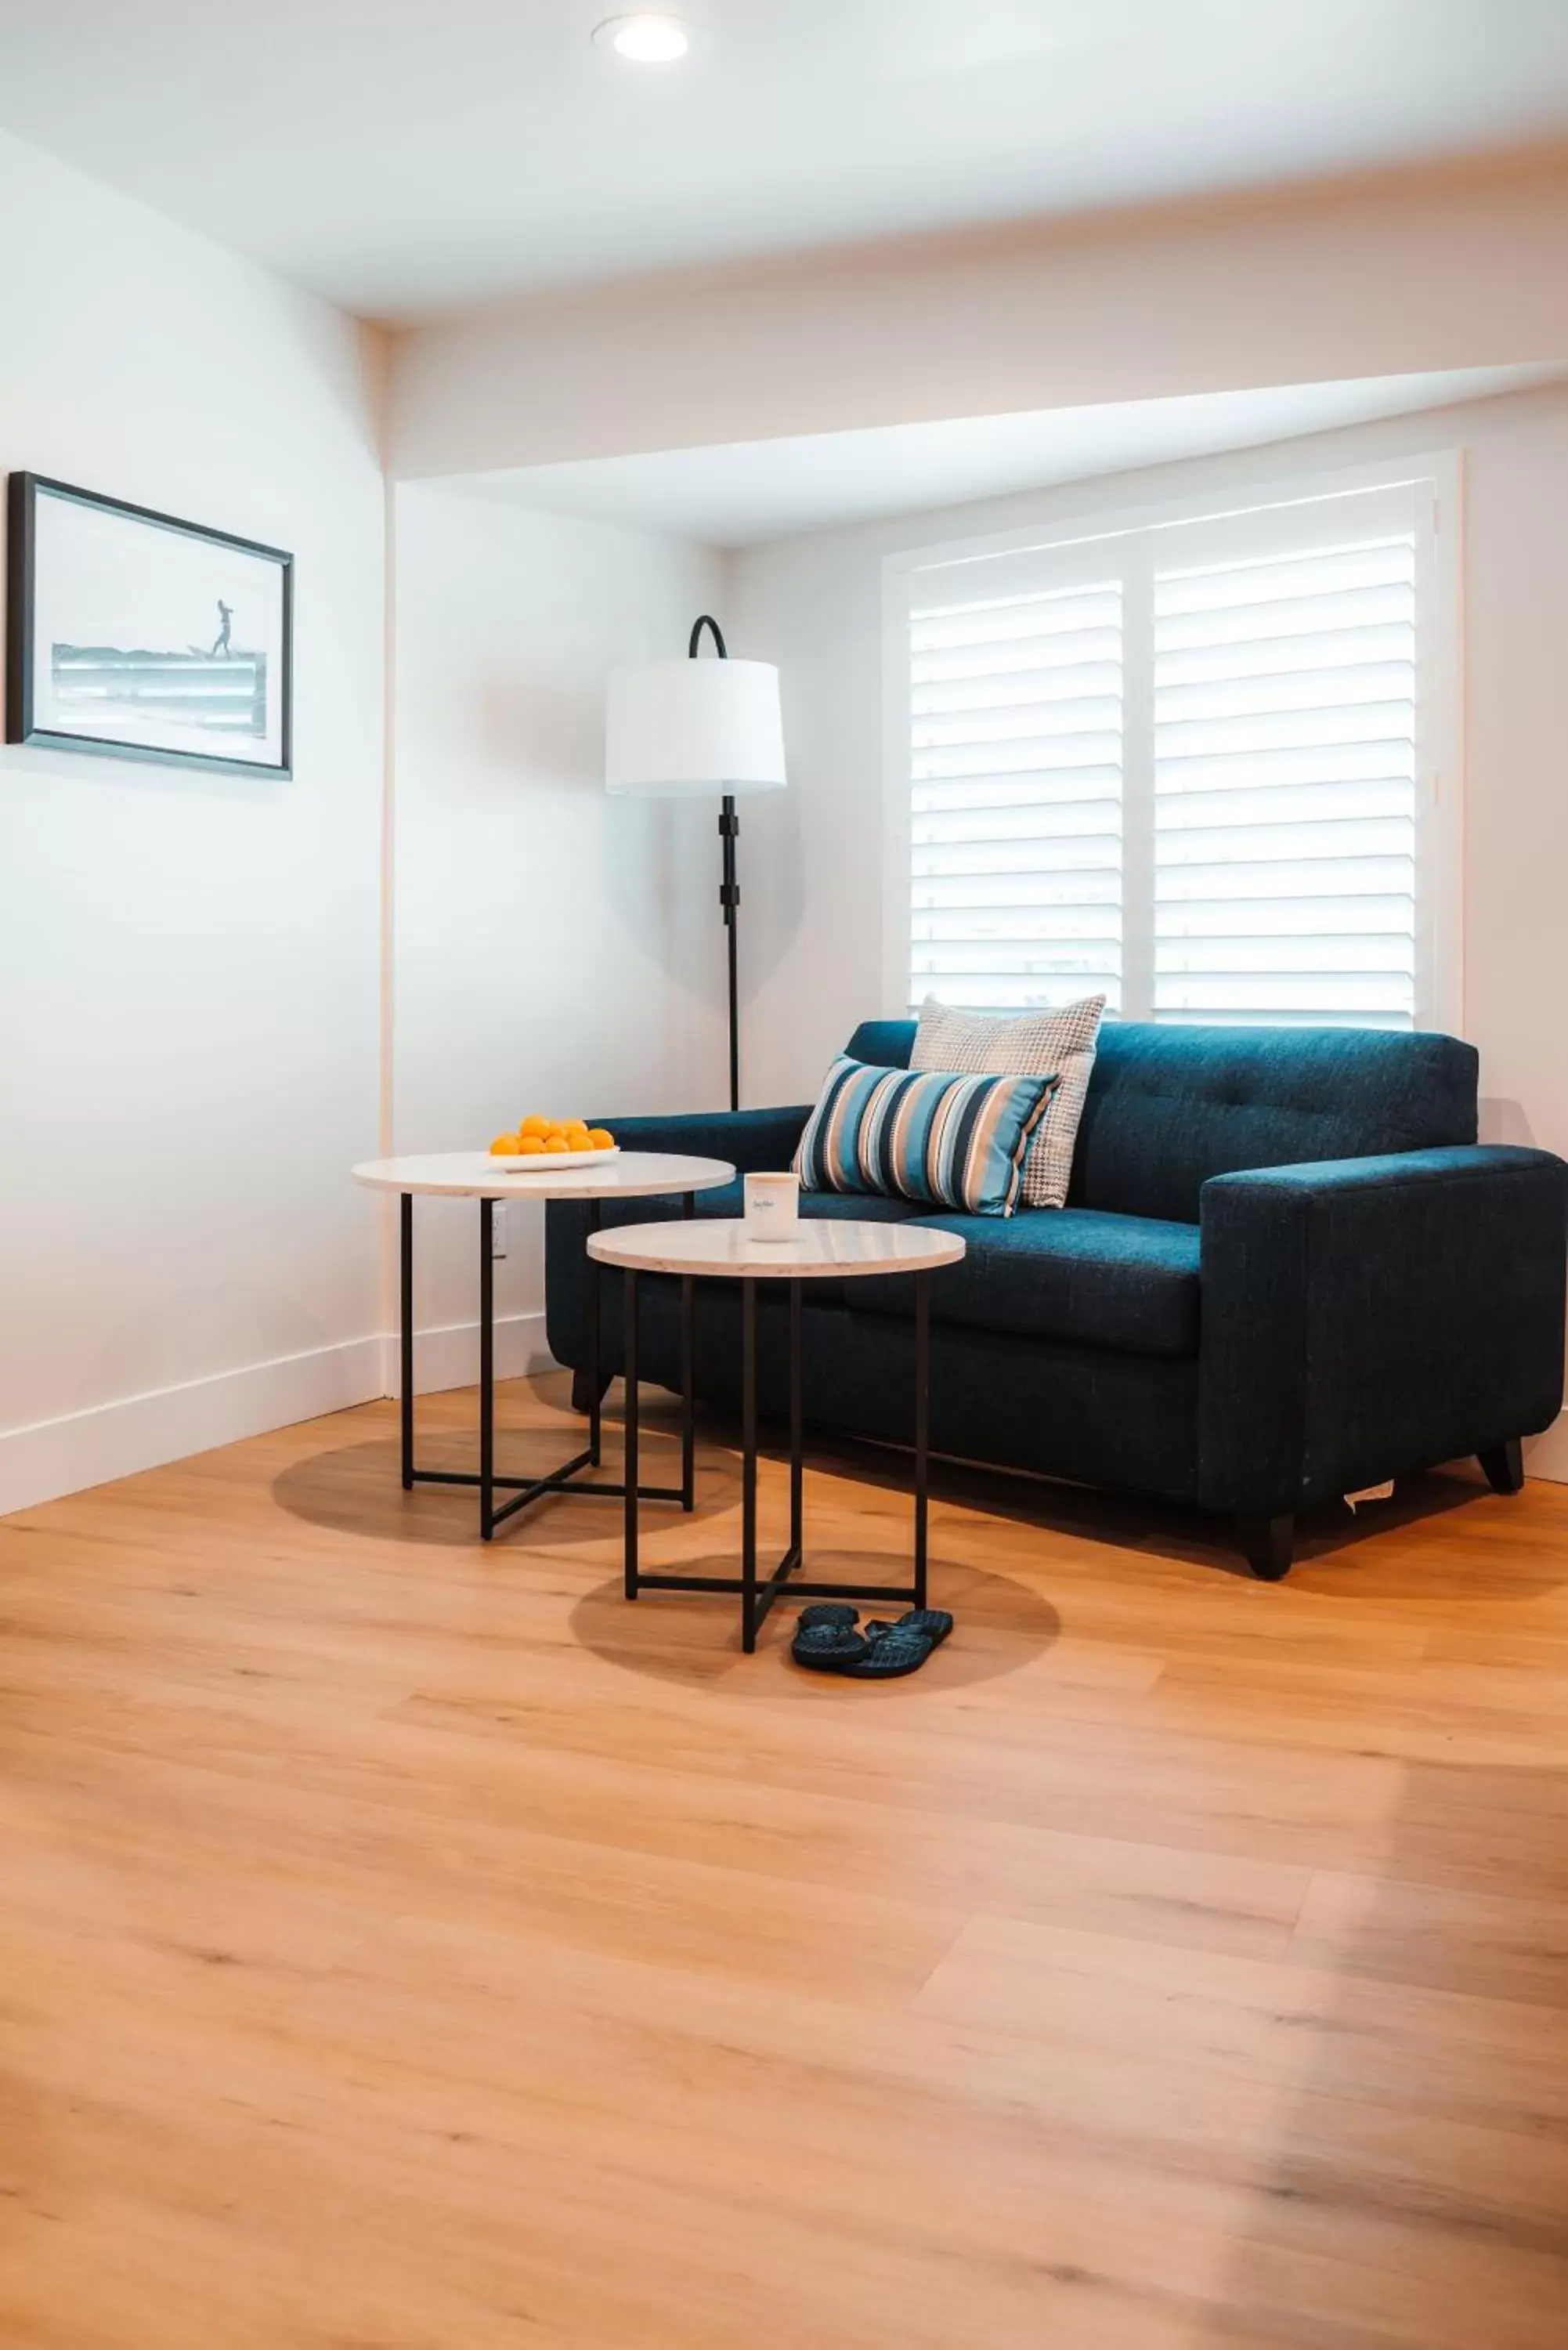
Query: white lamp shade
674,729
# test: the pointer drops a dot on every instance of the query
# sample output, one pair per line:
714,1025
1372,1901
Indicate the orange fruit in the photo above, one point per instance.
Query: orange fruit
534,1124
558,1142
600,1138
504,1147
530,1145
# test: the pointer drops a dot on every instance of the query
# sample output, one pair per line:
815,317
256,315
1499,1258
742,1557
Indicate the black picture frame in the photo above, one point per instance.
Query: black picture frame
21,726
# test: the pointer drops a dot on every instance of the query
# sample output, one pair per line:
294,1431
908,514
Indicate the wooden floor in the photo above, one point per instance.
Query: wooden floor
410,1947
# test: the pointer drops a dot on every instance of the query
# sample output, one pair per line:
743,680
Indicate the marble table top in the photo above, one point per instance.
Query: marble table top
474,1175
821,1248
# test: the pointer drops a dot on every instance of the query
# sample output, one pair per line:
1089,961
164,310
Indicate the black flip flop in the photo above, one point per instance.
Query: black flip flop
836,1647
834,1612
933,1623
894,1652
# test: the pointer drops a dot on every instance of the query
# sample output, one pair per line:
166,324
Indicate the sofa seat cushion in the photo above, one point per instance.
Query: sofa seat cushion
1125,1282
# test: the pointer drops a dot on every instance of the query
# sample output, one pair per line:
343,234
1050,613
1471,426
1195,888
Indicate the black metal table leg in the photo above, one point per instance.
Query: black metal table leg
486,1370
406,1333
596,1350
748,1465
688,1377
630,1477
796,1421
687,1394
922,1426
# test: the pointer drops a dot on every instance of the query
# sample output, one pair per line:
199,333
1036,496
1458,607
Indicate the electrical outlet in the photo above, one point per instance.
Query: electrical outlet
498,1228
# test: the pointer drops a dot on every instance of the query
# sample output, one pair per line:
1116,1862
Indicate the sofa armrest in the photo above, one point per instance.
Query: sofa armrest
1364,1318
754,1141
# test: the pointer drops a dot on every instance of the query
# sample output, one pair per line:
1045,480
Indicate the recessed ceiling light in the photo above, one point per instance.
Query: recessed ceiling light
644,39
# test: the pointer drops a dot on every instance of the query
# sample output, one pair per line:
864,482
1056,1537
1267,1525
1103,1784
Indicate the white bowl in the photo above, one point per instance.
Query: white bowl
550,1162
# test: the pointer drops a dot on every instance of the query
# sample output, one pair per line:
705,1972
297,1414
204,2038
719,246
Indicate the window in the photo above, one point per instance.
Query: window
1201,764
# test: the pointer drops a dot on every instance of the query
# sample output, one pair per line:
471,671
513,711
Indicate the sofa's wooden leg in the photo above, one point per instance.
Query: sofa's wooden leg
1266,1543
1504,1465
583,1397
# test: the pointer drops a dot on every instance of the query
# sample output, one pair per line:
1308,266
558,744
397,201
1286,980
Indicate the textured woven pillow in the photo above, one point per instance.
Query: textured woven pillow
1031,1044
950,1141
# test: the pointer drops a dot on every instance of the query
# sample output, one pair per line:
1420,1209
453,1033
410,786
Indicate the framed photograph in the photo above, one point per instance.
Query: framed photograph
130,633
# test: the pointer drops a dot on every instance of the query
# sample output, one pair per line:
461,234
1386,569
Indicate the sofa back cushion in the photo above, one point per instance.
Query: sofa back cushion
1167,1108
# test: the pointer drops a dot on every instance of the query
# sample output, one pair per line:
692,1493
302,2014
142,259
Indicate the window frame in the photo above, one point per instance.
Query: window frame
1437,479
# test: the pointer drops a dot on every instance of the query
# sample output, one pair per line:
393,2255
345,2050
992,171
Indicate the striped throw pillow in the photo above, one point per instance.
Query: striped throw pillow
1026,1045
950,1141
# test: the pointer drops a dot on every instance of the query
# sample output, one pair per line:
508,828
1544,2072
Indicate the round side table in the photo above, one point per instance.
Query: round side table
474,1175
823,1248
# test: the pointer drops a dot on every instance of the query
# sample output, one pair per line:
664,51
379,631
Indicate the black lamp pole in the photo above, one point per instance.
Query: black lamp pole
729,886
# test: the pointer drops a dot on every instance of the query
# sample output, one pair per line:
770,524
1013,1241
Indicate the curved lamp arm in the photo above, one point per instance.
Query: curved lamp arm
706,620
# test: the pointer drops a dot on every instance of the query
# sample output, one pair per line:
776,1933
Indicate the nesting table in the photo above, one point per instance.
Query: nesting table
823,1248
474,1175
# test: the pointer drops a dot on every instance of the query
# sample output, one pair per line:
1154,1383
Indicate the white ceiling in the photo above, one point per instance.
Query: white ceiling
748,491
401,156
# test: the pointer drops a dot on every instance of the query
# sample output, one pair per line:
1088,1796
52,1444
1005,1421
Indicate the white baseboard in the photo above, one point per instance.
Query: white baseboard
1546,1455
117,1439
448,1357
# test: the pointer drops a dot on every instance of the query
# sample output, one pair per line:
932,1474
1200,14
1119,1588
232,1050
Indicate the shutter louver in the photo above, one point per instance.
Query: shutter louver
1016,799
1285,784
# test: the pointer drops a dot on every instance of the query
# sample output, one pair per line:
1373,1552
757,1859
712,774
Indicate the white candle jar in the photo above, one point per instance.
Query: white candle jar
772,1207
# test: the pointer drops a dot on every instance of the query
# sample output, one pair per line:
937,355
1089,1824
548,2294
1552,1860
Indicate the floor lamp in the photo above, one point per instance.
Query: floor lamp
677,729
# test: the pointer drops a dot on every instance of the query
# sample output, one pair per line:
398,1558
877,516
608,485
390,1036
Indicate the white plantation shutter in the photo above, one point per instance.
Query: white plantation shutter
1016,809
1284,774
1185,765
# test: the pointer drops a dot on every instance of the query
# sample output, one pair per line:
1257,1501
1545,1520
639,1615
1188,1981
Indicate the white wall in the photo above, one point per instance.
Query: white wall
815,859
554,949
188,962
1466,268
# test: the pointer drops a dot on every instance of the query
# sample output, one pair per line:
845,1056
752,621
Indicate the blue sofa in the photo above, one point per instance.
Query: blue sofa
1287,1270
